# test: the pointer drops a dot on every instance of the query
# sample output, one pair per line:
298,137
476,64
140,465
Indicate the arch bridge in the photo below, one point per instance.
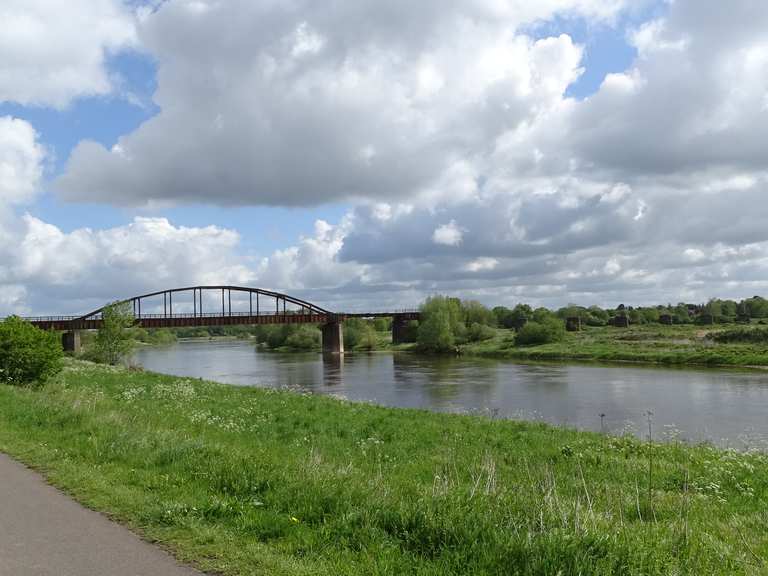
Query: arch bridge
213,306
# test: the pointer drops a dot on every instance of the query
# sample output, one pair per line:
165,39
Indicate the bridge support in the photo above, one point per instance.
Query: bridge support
70,341
333,338
399,329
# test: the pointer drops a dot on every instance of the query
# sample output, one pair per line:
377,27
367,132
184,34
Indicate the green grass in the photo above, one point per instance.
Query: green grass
251,481
672,345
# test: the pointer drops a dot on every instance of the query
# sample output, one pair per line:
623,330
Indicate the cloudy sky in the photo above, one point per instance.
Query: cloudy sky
366,154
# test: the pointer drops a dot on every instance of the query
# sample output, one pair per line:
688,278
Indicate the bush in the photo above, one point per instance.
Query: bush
304,338
546,332
28,355
479,332
442,325
740,336
114,340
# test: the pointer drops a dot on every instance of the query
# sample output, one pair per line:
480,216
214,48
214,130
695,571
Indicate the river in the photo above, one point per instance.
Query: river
726,407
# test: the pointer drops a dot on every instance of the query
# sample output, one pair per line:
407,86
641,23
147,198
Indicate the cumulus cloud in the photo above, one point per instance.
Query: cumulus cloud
53,52
21,161
301,103
448,234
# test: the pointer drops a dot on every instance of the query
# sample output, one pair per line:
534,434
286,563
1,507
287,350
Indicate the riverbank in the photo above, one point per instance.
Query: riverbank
252,481
648,344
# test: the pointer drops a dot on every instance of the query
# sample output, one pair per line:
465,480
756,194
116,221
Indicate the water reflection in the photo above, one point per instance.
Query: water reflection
720,406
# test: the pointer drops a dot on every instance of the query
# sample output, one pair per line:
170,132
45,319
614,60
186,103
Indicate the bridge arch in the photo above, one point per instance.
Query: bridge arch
255,308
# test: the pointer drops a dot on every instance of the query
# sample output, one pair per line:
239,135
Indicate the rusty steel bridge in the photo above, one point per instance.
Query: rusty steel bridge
254,307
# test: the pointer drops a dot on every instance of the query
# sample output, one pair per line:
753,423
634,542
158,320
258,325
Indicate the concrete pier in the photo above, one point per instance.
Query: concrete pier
333,338
70,341
399,329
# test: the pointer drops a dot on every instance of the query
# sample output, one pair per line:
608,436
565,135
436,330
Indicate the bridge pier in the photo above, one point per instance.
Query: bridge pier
399,329
333,338
70,341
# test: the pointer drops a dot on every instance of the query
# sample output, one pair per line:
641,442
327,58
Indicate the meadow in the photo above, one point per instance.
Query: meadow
256,481
649,343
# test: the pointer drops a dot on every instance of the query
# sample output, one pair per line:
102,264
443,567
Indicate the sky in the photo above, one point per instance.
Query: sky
365,155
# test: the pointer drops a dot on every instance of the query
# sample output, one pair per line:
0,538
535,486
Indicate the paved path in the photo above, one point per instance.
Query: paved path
45,533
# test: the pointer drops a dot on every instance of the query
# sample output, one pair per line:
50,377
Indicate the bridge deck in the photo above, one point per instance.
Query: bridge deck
191,320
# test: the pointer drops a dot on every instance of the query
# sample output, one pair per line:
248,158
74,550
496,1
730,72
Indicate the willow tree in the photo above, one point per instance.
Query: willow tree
114,341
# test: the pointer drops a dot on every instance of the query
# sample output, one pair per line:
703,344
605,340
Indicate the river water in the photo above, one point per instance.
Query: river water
726,407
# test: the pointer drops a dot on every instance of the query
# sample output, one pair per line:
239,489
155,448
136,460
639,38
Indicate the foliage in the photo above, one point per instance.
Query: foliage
541,315
293,336
305,337
359,333
161,336
545,332
114,340
476,313
480,332
28,355
442,325
597,316
252,481
756,307
740,335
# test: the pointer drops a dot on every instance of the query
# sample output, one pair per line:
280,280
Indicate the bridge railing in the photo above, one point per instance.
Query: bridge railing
175,315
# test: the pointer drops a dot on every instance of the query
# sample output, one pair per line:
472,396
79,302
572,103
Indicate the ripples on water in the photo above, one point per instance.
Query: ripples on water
725,407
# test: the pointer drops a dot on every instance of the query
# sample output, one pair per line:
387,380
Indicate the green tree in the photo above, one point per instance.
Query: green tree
435,333
28,355
547,331
442,324
479,332
114,341
757,307
681,314
542,314
503,316
636,316
597,316
359,333
304,338
476,313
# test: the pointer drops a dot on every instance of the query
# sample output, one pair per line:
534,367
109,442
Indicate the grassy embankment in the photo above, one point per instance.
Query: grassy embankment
250,481
674,345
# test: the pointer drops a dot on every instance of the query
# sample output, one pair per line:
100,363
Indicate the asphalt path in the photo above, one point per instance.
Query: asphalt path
45,533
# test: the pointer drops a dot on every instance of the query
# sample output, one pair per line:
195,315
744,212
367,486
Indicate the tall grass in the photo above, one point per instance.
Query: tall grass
251,481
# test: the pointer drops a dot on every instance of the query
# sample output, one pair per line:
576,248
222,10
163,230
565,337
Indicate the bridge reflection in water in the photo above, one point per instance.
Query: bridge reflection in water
199,306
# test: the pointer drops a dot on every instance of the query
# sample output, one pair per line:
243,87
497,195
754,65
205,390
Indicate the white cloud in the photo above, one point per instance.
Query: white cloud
482,264
448,234
53,52
21,161
298,103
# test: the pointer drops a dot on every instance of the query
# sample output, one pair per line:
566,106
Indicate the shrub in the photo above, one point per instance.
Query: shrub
550,330
28,355
114,340
442,324
480,332
740,335
304,338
